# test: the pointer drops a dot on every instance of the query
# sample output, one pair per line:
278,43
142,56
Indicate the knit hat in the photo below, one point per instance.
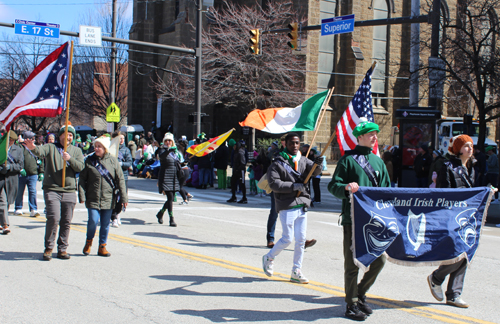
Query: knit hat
275,143
488,148
168,136
71,130
457,142
136,137
13,135
105,141
364,127
231,142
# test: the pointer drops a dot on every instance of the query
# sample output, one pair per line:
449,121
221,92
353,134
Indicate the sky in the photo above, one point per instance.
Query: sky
66,13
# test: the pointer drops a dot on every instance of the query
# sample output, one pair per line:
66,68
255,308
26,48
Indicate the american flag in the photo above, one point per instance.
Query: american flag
44,91
359,107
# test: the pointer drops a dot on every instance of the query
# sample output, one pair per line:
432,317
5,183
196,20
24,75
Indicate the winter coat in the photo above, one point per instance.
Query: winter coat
167,178
493,164
30,162
125,157
422,165
10,179
221,157
132,147
281,182
93,187
239,161
454,175
348,170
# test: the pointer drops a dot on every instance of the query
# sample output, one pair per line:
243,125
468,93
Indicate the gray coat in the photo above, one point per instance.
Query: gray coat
125,157
10,178
281,182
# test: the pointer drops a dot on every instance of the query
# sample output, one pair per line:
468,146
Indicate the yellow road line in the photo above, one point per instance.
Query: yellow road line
415,309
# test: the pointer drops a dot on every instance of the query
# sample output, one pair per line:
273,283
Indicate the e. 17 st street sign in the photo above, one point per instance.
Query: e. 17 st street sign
337,25
33,28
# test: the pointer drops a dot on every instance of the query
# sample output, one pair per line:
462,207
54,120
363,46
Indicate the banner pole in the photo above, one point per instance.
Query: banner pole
68,95
315,165
325,103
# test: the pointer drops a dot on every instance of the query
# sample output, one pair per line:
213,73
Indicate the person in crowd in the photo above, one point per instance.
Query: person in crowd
251,178
9,180
142,141
50,138
421,166
59,201
168,182
349,175
39,140
238,176
493,169
387,158
101,184
480,167
221,157
132,146
438,160
455,173
125,161
33,171
205,168
138,157
261,165
286,177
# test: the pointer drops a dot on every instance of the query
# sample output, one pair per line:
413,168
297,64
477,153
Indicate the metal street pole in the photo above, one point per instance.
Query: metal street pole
436,18
112,76
197,90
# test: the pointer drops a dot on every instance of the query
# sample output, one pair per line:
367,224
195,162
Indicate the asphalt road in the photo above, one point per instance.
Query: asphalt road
208,269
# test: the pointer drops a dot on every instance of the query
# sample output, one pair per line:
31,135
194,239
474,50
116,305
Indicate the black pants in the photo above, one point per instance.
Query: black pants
317,191
168,205
238,178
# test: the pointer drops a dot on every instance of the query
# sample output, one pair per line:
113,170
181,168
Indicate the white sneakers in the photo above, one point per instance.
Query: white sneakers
18,212
267,265
34,213
115,223
298,277
436,291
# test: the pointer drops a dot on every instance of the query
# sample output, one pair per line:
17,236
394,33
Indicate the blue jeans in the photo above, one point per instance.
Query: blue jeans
205,176
31,182
94,216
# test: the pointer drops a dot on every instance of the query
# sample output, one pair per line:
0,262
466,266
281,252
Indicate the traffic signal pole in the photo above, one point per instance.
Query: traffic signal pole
197,90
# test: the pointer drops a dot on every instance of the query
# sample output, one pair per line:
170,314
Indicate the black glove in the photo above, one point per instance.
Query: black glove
5,168
318,160
299,186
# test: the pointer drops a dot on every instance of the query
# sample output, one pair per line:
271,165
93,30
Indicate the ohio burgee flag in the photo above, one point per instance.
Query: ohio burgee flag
416,226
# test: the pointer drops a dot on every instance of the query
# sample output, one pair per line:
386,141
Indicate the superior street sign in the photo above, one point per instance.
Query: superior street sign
34,28
337,25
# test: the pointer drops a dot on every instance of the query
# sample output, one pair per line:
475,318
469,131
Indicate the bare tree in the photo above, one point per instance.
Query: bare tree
470,53
90,93
231,73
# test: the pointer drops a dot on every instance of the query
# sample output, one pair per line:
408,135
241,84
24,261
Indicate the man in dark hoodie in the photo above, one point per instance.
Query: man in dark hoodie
238,177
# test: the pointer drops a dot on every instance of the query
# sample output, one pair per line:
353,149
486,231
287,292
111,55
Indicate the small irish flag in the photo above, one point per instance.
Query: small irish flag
282,120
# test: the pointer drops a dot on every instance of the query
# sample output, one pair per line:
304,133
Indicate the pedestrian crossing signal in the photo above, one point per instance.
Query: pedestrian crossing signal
293,34
255,33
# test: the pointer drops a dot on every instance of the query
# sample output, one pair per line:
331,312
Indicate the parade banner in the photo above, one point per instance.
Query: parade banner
416,226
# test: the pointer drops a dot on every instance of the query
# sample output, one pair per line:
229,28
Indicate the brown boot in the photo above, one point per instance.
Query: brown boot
102,251
86,248
47,254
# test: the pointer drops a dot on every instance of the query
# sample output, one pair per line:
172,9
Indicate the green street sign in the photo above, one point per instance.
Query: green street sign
113,113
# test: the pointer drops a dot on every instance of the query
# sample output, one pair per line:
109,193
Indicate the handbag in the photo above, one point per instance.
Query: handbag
264,184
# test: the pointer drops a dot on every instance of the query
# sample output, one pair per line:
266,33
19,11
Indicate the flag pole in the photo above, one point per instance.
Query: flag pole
315,165
68,95
325,103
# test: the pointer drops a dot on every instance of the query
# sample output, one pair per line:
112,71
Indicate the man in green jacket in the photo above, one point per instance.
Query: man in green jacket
349,176
59,201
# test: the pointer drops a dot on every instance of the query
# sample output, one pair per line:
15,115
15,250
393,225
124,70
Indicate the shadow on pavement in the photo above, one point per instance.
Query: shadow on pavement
133,221
29,227
21,256
163,235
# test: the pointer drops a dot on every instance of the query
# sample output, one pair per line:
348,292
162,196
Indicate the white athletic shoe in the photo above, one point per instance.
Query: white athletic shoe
436,291
298,277
119,219
267,265
34,213
115,223
18,212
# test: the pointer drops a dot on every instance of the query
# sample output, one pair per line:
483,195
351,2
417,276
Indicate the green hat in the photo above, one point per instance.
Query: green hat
488,148
71,130
364,127
231,142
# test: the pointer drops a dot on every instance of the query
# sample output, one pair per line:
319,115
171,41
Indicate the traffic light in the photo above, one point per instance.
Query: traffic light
293,34
255,33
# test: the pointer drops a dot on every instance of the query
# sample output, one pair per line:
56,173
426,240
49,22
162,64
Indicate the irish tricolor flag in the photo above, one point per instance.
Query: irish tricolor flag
283,120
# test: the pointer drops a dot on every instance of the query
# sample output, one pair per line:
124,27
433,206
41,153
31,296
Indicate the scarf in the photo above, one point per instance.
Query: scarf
292,159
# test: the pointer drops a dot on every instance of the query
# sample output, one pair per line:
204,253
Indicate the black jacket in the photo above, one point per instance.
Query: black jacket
454,175
422,165
221,157
167,178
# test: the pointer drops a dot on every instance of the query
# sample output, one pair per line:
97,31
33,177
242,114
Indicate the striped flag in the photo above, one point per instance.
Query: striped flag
282,120
43,94
208,146
359,107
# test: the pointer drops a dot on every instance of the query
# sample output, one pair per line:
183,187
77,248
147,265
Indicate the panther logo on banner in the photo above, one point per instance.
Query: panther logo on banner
467,222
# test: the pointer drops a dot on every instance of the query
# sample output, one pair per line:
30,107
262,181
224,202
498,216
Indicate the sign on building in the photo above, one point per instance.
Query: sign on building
34,28
90,36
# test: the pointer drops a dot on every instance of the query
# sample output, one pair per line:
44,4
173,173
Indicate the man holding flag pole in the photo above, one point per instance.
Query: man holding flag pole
45,93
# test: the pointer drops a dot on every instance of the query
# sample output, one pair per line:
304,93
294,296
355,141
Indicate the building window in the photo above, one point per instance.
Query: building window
380,44
326,57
